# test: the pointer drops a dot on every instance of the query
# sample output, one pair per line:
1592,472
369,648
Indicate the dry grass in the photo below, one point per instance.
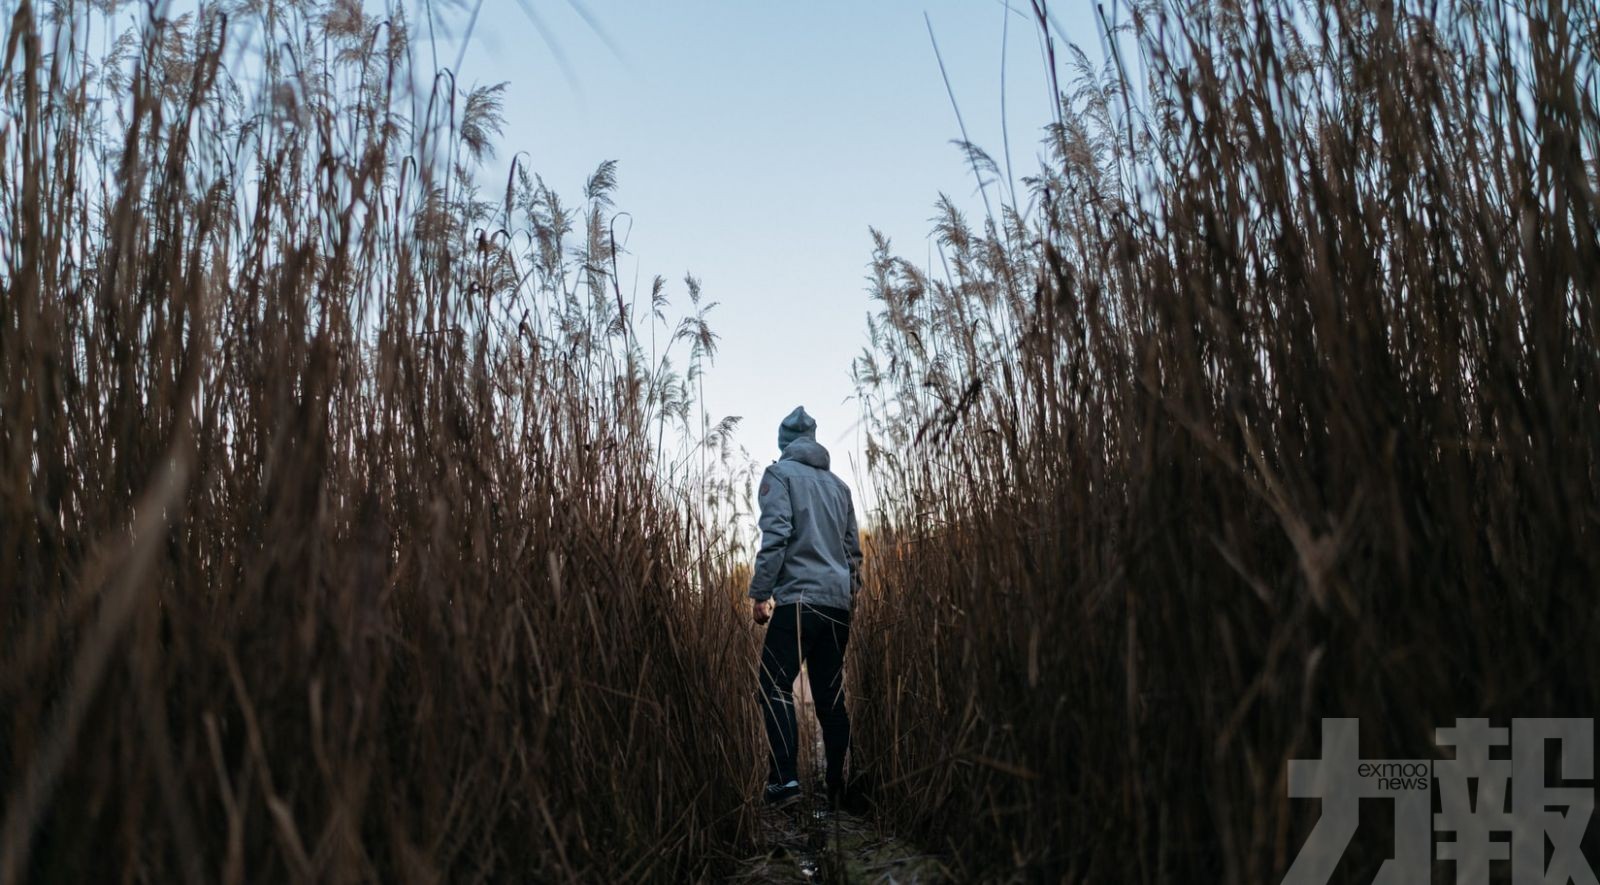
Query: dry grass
342,536
1280,401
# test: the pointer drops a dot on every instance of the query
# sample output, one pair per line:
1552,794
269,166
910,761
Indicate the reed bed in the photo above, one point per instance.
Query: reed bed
344,533
1273,395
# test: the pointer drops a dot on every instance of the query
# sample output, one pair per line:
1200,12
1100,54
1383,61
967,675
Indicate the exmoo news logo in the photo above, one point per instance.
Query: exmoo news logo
1398,775
1490,808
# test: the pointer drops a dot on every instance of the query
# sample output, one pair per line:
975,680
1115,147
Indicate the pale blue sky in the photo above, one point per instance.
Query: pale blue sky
757,142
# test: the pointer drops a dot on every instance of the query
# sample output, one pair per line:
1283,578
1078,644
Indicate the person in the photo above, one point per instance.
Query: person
806,576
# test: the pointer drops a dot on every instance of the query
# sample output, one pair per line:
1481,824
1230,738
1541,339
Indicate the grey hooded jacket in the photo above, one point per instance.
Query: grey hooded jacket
810,551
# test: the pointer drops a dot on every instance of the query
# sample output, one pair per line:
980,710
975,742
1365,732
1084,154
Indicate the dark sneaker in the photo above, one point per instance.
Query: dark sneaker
780,795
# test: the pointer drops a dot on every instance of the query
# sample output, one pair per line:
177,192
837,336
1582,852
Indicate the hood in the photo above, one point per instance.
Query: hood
798,425
807,451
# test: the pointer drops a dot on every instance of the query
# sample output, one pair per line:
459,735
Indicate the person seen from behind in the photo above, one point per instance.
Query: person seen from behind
806,576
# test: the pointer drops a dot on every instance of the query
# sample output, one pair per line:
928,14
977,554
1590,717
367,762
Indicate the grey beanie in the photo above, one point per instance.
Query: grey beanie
797,425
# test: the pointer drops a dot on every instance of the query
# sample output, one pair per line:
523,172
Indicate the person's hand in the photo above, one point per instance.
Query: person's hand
762,611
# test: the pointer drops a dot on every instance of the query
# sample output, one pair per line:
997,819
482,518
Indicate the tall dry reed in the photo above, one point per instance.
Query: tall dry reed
1280,399
341,540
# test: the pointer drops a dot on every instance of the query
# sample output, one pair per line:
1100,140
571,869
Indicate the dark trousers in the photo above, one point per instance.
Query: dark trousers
816,635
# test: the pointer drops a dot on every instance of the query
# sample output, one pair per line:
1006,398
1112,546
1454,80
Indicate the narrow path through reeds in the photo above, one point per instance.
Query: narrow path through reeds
808,842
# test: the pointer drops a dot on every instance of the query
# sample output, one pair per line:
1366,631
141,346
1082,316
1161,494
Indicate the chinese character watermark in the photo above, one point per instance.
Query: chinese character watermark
1480,798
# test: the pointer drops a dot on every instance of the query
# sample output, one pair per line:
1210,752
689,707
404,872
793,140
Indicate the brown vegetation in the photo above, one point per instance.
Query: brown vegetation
339,538
1282,400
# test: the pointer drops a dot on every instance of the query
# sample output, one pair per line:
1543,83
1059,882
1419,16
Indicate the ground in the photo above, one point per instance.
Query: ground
804,843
